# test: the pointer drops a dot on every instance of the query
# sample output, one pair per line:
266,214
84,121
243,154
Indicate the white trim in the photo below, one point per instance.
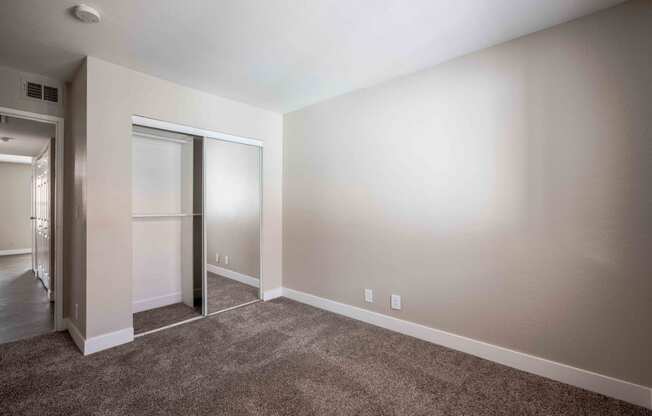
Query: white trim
273,294
26,160
155,302
588,380
179,128
204,238
162,138
231,274
185,321
110,340
261,235
232,307
180,214
59,323
15,251
100,342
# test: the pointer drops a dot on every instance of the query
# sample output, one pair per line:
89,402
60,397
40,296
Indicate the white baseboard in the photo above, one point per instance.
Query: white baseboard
75,334
609,386
156,302
15,251
242,278
273,293
110,340
100,342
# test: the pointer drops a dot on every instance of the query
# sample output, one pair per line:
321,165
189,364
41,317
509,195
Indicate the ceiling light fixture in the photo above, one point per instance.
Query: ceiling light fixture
86,14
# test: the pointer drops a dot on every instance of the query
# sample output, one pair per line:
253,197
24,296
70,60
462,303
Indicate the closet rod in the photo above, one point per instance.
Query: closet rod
167,139
163,215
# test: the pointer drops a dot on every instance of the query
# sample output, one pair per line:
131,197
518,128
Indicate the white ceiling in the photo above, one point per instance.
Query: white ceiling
276,54
28,137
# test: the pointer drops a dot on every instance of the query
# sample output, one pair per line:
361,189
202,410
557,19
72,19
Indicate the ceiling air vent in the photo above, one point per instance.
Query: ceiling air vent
50,94
34,90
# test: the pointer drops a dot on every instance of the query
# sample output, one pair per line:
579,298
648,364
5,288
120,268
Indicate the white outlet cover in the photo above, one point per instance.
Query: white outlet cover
368,295
217,258
396,302
226,259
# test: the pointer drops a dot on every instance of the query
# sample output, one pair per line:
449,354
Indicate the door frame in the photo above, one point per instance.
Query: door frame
58,203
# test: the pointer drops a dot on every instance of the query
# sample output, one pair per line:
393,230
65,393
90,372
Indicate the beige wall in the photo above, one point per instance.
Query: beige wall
10,93
232,203
15,209
505,195
114,95
74,238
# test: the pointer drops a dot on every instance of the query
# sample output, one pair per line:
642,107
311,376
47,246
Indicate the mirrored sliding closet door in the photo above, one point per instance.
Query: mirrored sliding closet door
232,208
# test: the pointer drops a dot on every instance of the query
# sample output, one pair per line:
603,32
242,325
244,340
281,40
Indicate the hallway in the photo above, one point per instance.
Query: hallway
25,310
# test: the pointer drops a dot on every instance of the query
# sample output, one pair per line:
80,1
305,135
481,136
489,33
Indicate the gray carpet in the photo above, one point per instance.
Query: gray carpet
163,316
25,309
277,358
226,293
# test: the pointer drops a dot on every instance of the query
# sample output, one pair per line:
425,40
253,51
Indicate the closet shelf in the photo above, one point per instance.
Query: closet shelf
163,215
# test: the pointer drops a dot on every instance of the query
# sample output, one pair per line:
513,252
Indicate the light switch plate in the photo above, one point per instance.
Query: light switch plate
396,302
368,295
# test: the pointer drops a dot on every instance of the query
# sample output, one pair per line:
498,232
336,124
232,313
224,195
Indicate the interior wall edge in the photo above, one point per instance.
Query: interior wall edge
75,334
578,377
101,342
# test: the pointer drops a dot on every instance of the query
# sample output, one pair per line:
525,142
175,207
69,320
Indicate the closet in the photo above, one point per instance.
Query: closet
196,223
167,229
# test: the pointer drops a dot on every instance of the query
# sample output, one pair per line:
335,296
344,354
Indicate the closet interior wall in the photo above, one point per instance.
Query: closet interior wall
167,219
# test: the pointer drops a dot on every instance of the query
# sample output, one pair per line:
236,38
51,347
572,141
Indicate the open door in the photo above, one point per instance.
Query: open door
43,212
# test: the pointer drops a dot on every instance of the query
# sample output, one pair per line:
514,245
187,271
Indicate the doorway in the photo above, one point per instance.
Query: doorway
31,282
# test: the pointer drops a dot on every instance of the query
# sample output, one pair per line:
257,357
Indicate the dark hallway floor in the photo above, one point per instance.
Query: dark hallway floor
277,358
25,309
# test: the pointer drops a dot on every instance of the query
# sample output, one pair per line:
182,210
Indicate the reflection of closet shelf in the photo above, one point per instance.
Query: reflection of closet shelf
163,215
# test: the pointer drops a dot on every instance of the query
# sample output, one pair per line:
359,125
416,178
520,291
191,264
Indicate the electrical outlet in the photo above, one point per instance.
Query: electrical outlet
396,302
226,259
369,296
217,258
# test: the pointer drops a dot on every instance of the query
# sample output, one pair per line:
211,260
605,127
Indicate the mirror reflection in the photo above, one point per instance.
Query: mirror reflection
232,208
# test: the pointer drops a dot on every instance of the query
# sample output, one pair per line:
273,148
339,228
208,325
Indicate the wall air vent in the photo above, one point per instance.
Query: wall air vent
41,92
50,94
34,90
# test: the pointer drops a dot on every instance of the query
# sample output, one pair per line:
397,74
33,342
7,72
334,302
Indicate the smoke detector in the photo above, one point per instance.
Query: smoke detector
86,14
